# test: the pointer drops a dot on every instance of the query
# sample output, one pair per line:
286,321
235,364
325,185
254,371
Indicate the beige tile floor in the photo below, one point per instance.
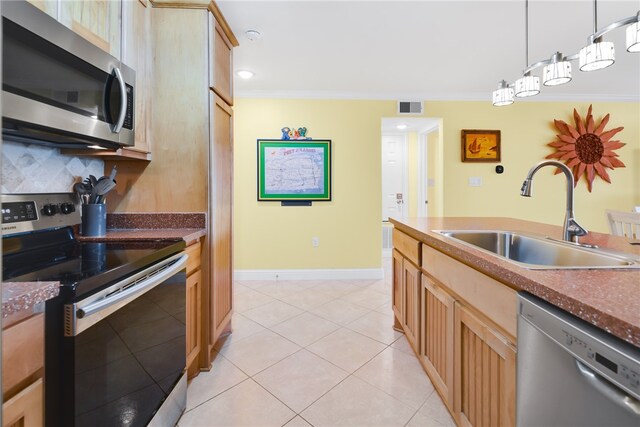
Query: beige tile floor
314,352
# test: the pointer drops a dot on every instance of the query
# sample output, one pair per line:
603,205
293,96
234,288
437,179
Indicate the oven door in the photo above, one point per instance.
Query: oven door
124,351
58,87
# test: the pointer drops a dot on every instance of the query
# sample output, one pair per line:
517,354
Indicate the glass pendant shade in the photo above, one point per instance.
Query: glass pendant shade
527,86
633,38
503,95
597,56
556,73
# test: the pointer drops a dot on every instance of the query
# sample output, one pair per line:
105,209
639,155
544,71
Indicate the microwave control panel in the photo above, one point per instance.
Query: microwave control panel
128,118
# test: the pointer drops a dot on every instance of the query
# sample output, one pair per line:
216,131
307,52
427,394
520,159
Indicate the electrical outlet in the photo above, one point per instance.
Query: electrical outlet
315,242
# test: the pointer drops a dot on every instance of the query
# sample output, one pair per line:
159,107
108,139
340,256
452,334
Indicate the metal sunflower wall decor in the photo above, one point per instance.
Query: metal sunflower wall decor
586,148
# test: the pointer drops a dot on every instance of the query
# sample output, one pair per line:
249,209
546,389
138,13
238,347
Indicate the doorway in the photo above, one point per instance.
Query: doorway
411,171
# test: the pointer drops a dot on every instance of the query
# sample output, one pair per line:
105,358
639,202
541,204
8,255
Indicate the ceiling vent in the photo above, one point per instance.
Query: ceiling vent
410,107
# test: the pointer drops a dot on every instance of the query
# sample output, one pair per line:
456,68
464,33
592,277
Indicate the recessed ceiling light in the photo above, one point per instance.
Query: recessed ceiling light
253,35
401,127
245,74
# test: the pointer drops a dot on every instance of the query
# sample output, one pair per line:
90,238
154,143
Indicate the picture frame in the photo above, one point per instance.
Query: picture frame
480,145
294,170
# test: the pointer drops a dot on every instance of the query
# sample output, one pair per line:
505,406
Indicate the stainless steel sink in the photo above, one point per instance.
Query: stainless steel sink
539,252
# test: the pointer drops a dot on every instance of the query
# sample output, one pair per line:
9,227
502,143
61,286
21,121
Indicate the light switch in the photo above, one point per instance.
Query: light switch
475,181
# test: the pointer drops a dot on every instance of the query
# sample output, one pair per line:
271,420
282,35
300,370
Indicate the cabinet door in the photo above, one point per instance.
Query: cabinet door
220,61
98,21
136,53
437,324
25,409
193,318
485,373
221,171
397,287
411,303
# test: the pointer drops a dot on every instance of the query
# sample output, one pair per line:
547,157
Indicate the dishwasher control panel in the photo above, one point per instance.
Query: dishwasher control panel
614,366
608,356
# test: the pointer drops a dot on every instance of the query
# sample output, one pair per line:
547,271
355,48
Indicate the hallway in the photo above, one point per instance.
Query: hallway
314,352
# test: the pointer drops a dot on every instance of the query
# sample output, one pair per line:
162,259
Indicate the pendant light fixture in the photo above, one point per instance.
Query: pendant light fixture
503,95
633,36
597,54
527,85
557,72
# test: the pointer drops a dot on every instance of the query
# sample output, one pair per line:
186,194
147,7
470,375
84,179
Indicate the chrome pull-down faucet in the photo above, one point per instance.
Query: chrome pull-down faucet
571,229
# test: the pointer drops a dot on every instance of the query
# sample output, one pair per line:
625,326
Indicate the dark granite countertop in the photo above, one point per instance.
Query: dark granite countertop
19,299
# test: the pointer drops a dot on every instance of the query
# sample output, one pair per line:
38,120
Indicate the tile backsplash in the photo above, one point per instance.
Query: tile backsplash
30,168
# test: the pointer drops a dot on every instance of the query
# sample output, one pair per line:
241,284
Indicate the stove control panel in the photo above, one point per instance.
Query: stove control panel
30,212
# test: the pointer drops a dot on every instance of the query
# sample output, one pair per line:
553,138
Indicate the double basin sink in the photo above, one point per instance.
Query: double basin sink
539,252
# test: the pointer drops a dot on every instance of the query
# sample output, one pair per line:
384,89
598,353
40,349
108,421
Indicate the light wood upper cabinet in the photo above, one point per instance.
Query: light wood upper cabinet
485,372
136,53
221,61
98,21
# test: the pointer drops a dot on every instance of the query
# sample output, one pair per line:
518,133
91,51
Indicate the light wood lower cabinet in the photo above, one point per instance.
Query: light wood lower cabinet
396,295
411,301
26,408
194,308
437,324
485,375
22,373
462,325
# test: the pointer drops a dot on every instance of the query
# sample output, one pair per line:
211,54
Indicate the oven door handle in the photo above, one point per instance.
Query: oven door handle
82,315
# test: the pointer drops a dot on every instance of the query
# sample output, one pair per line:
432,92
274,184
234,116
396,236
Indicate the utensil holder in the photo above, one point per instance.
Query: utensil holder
94,220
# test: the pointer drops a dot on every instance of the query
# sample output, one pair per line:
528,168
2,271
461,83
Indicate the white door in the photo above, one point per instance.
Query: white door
394,194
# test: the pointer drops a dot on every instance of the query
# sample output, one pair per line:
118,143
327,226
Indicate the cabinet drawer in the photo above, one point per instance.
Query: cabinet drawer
220,61
22,354
408,246
495,300
194,260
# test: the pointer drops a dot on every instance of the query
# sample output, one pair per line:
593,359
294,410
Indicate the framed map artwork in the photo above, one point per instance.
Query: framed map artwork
294,170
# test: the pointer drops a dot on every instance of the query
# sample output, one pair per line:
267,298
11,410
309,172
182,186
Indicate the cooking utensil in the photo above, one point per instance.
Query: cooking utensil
104,185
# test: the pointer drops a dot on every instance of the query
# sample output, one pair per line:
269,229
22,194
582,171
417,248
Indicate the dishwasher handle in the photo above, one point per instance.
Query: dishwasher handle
611,392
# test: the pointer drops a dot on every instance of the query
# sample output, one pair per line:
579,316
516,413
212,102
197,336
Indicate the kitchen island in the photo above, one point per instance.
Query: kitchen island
457,307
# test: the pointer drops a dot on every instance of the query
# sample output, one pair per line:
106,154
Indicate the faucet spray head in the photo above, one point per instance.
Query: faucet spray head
526,188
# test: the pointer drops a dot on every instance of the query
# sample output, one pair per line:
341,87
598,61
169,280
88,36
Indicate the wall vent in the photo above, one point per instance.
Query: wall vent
387,237
410,107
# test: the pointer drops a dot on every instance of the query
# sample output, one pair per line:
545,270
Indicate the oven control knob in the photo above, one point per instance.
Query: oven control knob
50,210
67,208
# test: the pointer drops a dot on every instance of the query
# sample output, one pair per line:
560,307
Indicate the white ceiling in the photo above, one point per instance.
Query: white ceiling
421,49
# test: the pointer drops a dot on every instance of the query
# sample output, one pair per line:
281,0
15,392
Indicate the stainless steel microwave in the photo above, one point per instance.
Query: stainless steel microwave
58,89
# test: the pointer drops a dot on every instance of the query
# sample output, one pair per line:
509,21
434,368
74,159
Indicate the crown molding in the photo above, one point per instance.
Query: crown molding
371,96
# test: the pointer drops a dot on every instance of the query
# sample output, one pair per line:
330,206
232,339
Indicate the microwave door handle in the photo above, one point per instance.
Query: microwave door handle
117,127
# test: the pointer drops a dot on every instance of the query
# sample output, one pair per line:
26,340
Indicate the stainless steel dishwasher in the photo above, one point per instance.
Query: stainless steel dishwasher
571,373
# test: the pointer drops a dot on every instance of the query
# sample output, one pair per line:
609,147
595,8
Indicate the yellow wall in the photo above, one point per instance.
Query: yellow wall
412,175
526,128
268,236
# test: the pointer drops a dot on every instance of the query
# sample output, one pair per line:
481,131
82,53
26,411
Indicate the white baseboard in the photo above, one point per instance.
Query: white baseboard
320,274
